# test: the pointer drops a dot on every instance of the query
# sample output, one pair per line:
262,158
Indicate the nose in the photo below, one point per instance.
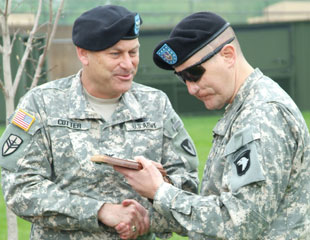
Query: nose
126,62
192,87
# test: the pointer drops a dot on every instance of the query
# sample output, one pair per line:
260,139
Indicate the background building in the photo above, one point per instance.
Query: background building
273,34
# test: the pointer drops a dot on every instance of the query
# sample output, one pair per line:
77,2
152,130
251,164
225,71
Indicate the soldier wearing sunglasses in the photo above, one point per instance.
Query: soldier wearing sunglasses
256,181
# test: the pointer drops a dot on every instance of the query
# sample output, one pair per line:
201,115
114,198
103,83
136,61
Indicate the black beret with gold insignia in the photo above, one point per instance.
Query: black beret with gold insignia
188,37
103,26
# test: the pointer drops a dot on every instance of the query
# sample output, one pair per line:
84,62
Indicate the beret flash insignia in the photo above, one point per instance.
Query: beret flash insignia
167,54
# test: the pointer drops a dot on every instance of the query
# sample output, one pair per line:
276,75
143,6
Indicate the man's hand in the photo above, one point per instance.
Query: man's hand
145,181
126,230
133,216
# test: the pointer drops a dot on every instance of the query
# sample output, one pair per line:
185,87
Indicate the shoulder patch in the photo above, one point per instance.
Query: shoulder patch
188,147
23,120
11,144
243,162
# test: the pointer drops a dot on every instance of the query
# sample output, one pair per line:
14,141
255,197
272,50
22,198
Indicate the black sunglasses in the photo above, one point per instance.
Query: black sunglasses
194,72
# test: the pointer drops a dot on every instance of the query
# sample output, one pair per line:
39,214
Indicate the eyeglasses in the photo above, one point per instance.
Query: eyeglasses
194,72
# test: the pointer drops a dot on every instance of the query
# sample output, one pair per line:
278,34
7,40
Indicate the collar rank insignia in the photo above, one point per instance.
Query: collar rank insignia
167,54
23,120
188,147
243,163
11,145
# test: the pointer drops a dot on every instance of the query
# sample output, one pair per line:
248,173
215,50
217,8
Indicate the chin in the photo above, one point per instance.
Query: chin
211,106
208,105
125,87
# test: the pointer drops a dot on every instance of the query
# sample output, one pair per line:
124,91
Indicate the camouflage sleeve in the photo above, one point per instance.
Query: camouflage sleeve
179,156
251,194
180,160
29,190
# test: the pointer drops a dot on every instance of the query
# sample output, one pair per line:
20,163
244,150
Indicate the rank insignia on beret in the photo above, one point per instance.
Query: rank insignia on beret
11,145
137,24
23,120
243,163
167,54
188,147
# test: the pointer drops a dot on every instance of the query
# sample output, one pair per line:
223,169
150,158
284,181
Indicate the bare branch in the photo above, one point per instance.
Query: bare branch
2,26
28,49
7,10
5,34
1,85
55,23
50,36
3,89
6,47
13,40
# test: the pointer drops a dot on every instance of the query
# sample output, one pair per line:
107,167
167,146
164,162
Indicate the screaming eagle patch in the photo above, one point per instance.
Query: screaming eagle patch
243,162
12,143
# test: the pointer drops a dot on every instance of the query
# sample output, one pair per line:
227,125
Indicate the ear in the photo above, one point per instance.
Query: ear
82,55
229,53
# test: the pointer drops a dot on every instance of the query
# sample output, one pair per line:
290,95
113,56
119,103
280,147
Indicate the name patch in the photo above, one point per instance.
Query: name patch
69,124
136,126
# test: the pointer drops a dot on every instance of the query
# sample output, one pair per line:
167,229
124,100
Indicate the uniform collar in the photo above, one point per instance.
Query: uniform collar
128,109
246,90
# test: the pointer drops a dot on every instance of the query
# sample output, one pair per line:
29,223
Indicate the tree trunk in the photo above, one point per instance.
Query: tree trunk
12,225
7,85
10,216
9,106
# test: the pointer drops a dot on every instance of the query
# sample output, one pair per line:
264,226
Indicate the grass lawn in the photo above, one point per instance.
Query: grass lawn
200,129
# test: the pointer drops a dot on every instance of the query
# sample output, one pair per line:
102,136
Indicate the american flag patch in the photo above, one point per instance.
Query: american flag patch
23,120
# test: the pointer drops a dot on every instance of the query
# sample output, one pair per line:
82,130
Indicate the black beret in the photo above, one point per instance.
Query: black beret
103,26
188,37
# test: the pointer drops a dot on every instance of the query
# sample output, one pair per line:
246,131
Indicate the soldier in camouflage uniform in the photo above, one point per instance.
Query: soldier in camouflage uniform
256,182
47,175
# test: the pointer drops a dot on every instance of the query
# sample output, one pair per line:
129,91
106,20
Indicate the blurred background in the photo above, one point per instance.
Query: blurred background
158,13
274,36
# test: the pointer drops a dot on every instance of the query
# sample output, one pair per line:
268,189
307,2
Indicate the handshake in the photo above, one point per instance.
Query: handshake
130,219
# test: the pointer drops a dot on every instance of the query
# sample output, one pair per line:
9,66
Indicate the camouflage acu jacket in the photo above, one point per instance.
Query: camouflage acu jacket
256,182
47,175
